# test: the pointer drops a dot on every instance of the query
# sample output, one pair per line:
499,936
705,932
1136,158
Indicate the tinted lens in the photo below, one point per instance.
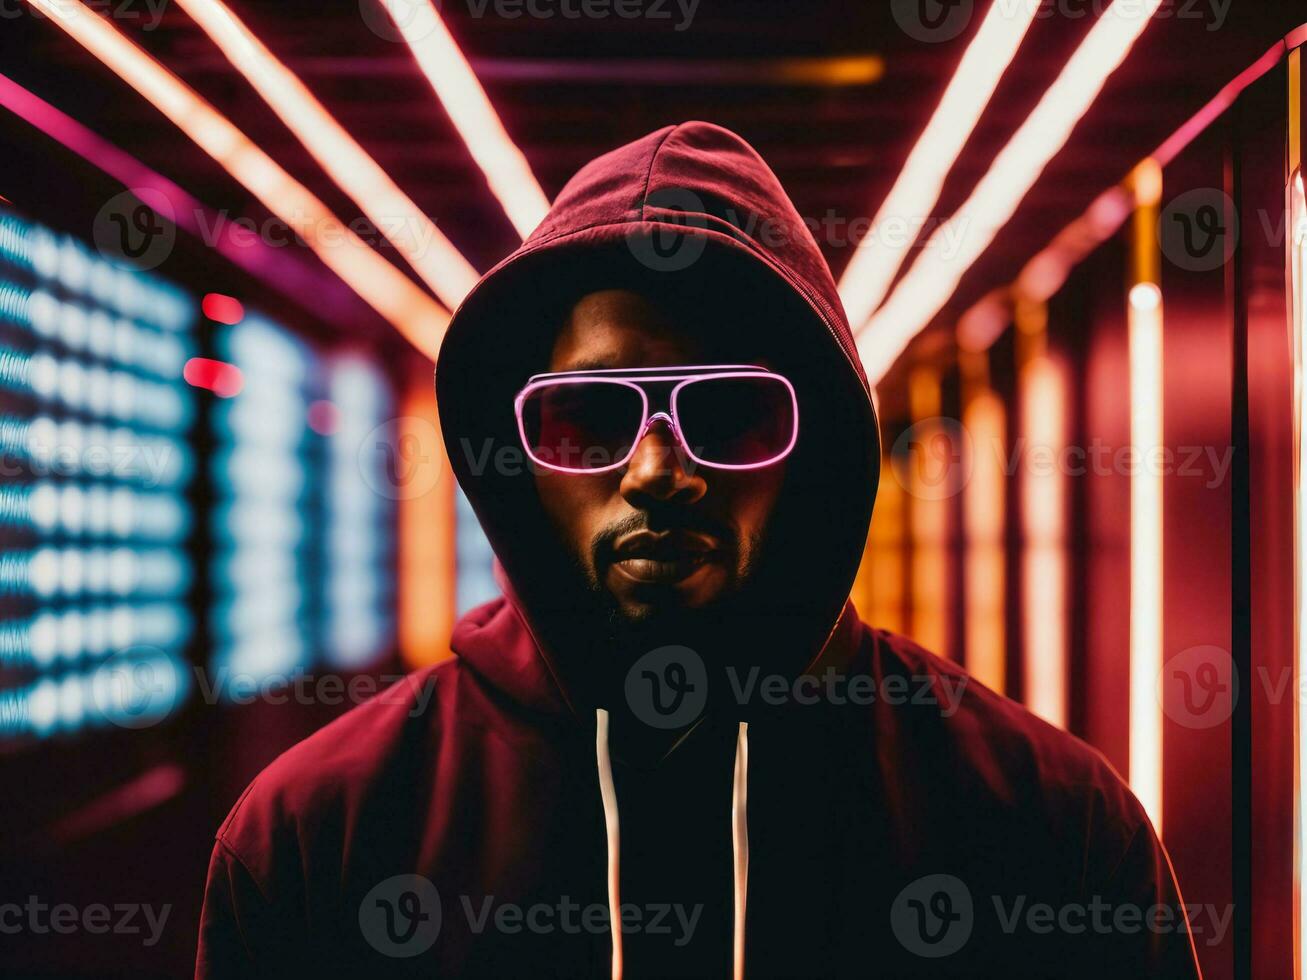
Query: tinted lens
583,425
736,421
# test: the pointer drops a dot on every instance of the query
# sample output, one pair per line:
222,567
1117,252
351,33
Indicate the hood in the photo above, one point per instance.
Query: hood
693,216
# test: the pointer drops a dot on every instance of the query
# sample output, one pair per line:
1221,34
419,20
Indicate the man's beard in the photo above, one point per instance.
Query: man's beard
705,629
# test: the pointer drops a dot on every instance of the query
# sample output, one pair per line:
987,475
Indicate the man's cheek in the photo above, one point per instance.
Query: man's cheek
754,509
566,503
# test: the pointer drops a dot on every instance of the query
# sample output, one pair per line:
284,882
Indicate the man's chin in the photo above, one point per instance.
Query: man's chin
641,588
651,623
649,617
693,610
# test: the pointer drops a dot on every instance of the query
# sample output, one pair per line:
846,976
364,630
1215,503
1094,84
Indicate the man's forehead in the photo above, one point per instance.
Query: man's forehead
618,328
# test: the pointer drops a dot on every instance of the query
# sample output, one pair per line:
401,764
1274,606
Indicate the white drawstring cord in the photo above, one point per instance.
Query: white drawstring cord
609,795
739,839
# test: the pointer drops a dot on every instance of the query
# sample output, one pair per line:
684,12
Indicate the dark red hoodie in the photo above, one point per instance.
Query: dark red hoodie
854,806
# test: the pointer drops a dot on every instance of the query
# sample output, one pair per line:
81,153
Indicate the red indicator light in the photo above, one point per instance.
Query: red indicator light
223,379
223,309
324,417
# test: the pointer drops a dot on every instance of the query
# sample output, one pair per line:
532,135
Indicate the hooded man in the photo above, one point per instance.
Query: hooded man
671,748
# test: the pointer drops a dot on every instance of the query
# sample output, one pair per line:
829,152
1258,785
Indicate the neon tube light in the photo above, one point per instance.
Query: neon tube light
982,509
931,485
1298,263
1145,326
935,275
1045,274
383,287
427,533
456,86
1043,560
875,262
881,586
440,265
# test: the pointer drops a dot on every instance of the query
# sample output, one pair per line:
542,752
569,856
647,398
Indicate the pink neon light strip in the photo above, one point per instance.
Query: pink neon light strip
326,296
1046,272
392,294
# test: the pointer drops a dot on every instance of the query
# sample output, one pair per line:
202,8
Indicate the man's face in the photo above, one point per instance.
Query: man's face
661,537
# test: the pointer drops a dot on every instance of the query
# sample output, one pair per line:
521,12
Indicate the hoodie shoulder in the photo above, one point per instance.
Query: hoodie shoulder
1000,749
315,790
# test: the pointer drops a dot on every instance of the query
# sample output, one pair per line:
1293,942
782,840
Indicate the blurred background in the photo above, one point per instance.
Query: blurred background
1070,235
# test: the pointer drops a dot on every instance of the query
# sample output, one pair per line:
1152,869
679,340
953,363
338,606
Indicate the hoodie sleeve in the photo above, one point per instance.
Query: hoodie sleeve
1147,933
241,933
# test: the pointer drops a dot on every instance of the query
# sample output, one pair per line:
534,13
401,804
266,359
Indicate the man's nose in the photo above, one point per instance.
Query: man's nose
659,470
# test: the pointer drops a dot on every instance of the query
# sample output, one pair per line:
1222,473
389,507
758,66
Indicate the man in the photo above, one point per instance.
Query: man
672,748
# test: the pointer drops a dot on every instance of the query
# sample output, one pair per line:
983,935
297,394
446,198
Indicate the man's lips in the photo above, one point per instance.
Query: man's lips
661,559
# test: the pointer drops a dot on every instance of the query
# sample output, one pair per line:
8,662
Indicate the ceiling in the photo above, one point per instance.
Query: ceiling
570,88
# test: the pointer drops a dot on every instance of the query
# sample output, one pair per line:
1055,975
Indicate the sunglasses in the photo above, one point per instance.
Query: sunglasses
725,416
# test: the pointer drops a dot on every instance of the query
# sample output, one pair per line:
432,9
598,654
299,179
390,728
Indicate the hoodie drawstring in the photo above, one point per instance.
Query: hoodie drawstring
609,795
739,840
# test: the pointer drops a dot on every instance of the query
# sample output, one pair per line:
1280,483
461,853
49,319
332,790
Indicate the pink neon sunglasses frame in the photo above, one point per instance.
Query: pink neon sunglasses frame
686,375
